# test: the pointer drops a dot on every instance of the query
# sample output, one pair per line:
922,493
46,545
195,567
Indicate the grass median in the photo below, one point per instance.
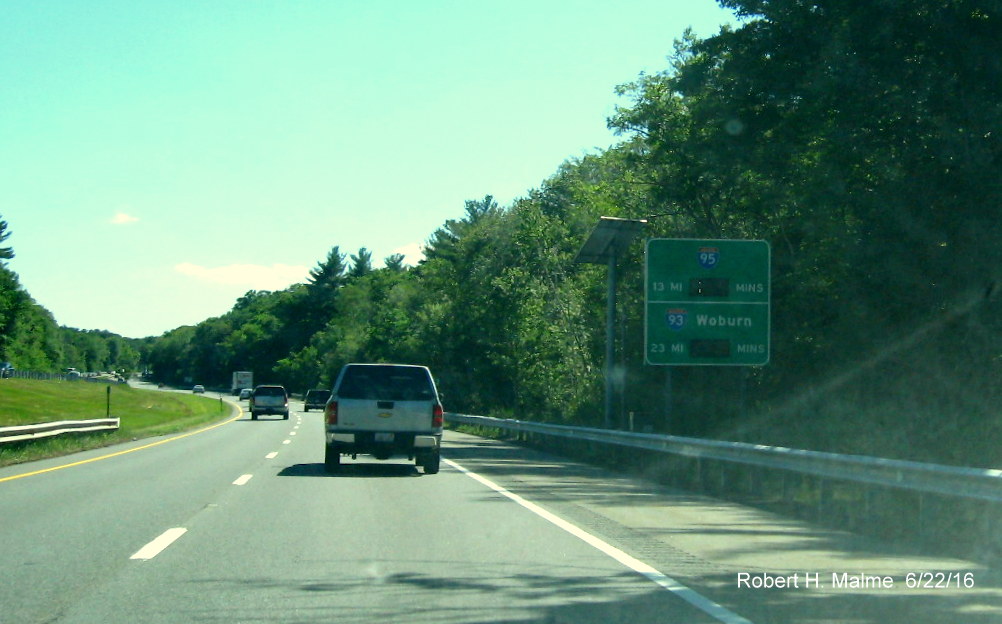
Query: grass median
142,414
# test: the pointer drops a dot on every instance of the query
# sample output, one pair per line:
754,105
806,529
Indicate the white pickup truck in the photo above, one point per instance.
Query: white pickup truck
384,410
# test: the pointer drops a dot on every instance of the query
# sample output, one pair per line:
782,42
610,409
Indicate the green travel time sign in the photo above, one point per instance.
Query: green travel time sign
707,302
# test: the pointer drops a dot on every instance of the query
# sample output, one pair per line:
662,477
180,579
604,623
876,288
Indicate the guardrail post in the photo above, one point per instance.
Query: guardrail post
107,412
920,521
822,498
991,512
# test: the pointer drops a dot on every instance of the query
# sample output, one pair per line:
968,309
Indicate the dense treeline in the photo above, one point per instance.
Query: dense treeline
861,139
30,338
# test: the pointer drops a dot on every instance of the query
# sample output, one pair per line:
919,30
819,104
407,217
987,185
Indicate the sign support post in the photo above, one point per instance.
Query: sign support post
607,241
610,340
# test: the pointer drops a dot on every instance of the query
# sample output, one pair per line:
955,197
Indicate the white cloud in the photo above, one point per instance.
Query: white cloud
413,253
122,218
252,276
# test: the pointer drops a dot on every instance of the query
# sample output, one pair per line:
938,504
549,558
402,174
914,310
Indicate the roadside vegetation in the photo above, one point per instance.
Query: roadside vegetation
860,139
142,414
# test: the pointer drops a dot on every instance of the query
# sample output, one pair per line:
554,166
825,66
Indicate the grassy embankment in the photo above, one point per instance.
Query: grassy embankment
143,413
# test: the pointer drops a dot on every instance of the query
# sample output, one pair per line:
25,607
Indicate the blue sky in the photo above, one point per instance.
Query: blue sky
158,159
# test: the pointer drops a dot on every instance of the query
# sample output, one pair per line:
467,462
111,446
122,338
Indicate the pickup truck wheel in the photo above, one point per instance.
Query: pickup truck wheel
332,459
431,462
253,416
286,417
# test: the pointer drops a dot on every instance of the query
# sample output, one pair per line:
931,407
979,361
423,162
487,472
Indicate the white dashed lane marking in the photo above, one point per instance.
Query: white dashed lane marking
157,546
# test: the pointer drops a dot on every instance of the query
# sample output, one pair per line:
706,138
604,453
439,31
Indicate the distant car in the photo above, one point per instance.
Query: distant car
384,410
269,400
198,389
245,394
316,399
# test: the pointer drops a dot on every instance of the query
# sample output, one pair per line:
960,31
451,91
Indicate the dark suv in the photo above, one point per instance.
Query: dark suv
316,399
269,400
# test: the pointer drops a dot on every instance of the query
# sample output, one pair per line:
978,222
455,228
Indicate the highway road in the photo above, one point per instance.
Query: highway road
238,522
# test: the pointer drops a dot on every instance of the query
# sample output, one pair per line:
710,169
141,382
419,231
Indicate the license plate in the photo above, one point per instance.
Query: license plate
384,437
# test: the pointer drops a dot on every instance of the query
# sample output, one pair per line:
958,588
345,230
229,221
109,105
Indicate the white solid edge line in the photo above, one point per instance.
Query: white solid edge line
243,479
694,598
157,546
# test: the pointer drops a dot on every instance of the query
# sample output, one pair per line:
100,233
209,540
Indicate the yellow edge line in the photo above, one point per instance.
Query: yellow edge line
240,412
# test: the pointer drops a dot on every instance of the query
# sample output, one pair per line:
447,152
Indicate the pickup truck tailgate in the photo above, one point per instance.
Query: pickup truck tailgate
372,415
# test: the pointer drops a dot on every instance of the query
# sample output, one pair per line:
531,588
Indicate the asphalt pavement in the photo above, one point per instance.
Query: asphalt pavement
239,522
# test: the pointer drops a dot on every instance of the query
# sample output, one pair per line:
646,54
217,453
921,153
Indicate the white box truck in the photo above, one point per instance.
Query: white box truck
241,380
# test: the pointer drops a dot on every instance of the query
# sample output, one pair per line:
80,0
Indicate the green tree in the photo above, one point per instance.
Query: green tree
168,356
327,276
6,253
477,209
13,301
395,263
35,344
301,370
208,364
361,264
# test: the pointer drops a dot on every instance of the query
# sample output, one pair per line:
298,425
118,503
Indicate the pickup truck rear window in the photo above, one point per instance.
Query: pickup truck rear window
386,383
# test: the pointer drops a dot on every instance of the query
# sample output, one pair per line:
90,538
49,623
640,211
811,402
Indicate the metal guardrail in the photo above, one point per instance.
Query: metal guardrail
977,483
44,430
37,376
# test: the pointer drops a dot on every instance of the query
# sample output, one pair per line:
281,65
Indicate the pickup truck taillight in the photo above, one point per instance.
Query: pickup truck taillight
436,416
330,410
